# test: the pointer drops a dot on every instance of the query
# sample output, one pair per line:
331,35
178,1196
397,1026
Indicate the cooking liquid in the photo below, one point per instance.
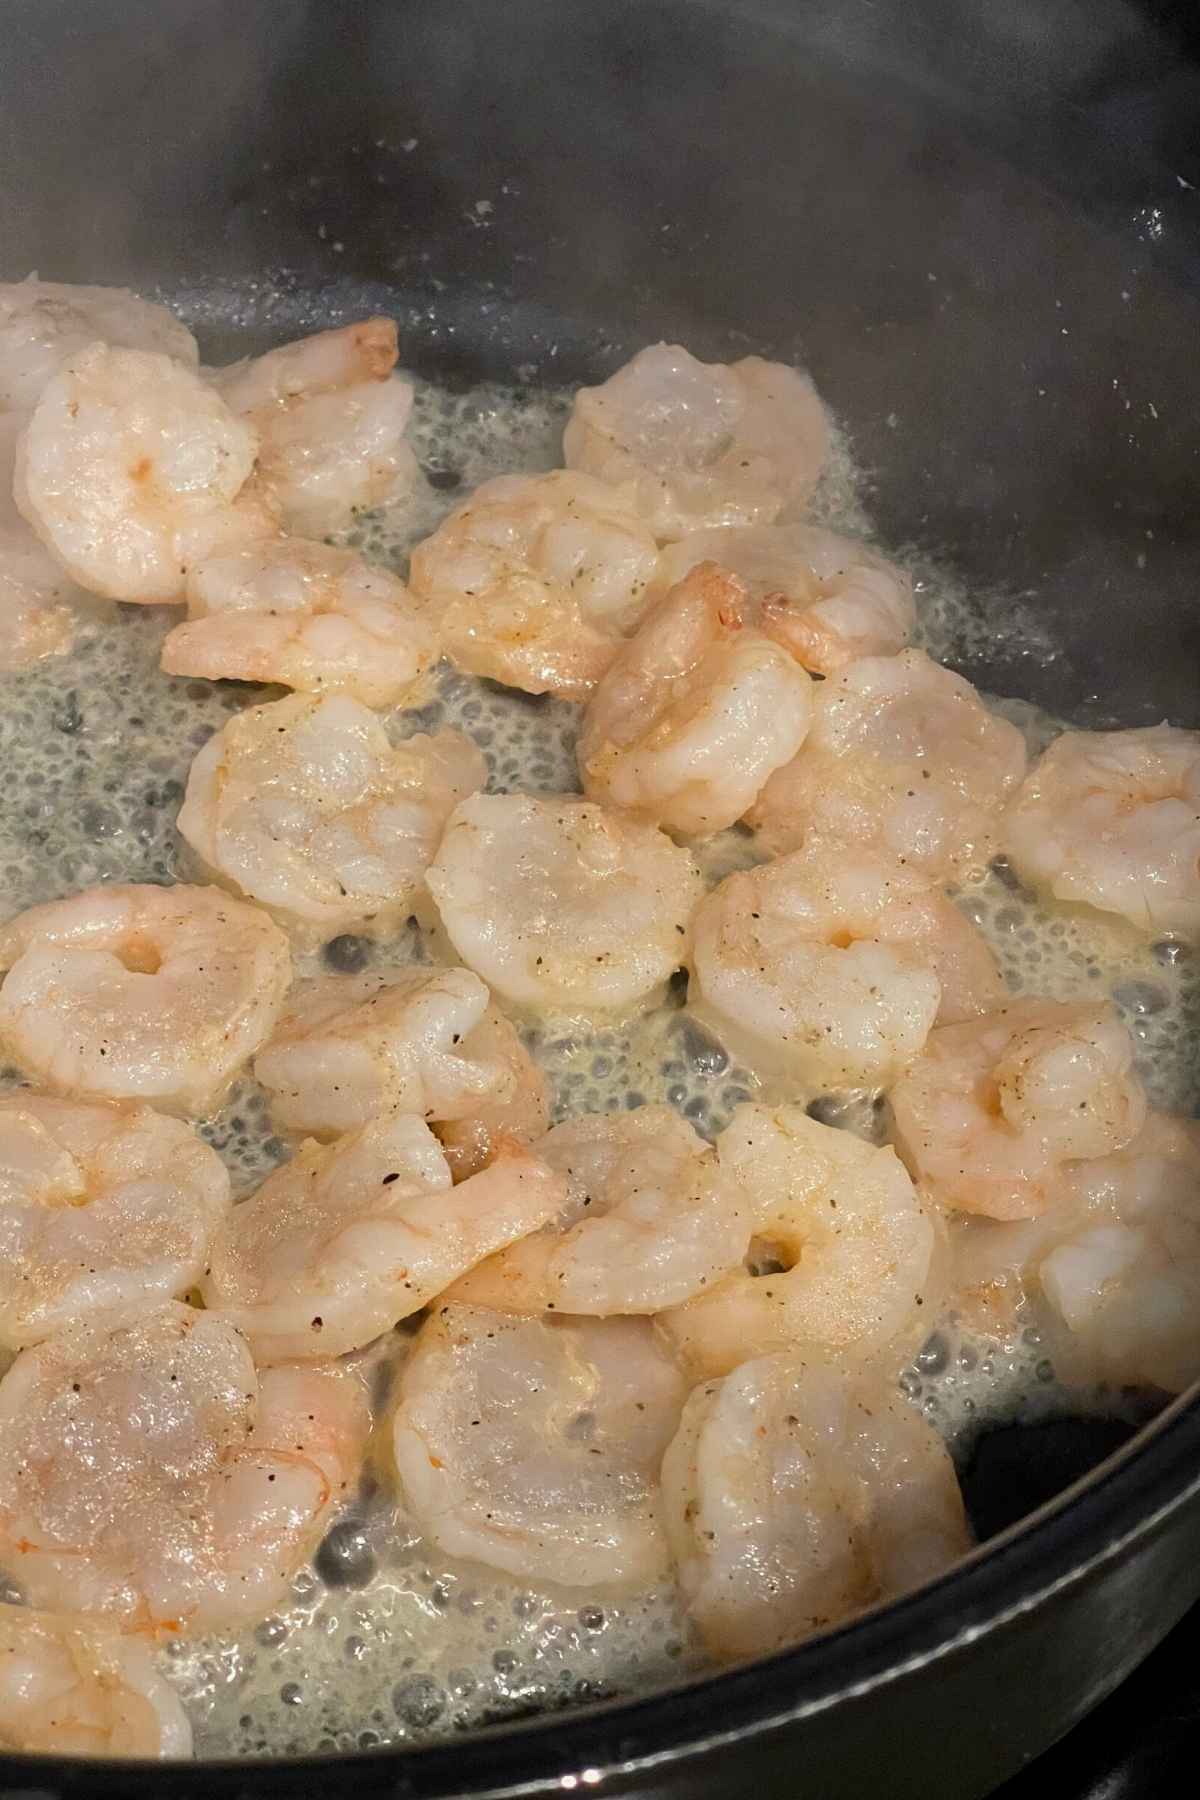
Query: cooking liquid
386,1640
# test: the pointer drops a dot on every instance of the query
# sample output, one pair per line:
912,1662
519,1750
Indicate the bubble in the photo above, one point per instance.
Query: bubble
347,954
345,1558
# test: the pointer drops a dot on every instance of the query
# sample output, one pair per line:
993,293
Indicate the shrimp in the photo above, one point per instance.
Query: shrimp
330,418
903,755
149,1473
353,1046
306,806
1111,819
39,605
522,1116
794,1497
856,1244
129,469
536,579
991,1111
1116,1257
557,903
646,1223
828,967
706,443
43,324
828,599
348,1238
71,1686
141,993
100,1207
695,713
305,615
534,1447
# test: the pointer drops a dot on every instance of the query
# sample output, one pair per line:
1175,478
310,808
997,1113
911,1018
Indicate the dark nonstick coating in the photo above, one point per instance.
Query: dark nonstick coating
977,224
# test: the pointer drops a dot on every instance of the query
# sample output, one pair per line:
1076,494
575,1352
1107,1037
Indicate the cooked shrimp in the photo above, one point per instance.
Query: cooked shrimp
346,1239
71,1686
38,602
795,1497
561,904
306,806
695,713
522,1117
141,993
534,1447
647,1222
149,1473
352,1046
828,599
101,1207
127,458
842,1217
706,443
991,1111
305,615
43,324
536,579
330,417
904,755
1111,819
828,967
1117,1257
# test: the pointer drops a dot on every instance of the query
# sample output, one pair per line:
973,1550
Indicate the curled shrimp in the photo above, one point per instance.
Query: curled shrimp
100,1208
828,967
1111,819
794,1497
560,904
904,756
43,324
704,443
71,1686
535,580
534,1447
520,1109
150,1474
852,1244
991,1111
141,993
695,713
646,1223
826,598
306,806
305,615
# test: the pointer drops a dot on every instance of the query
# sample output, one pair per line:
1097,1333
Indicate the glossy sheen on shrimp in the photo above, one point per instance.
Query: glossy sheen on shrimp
696,712
141,993
703,443
795,1495
306,806
101,1208
535,1447
150,1474
345,1240
71,1686
536,579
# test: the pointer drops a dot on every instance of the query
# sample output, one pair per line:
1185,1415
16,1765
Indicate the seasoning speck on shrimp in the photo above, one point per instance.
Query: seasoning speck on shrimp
795,1496
1111,819
149,1473
101,1207
306,806
826,598
993,1109
71,1686
141,993
904,756
534,1447
704,443
647,1222
696,712
561,904
305,615
536,580
853,1240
